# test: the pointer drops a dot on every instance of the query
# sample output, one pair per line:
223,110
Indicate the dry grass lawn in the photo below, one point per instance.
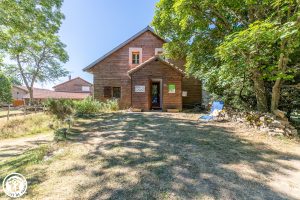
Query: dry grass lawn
161,156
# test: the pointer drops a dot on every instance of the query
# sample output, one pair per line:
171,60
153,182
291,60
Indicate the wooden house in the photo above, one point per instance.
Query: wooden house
136,73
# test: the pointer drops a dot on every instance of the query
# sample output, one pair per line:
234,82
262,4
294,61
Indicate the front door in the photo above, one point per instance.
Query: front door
155,95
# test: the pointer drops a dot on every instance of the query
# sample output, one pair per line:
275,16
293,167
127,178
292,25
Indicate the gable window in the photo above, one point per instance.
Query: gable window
135,57
116,92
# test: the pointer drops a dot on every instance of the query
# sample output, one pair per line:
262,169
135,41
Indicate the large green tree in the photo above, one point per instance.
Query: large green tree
223,43
268,46
28,37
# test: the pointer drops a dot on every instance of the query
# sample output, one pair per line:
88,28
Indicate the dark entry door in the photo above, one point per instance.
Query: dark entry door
155,95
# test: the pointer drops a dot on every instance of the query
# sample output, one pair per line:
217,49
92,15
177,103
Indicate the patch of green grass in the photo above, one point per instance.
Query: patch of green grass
19,163
29,125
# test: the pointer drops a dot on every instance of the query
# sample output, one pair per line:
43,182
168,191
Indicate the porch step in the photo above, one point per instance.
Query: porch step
136,110
173,110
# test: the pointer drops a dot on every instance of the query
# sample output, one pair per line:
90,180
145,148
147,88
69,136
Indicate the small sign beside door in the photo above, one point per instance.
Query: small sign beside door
139,88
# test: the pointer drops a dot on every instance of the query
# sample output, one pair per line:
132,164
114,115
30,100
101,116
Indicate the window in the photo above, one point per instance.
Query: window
85,88
159,51
135,57
107,91
171,88
117,92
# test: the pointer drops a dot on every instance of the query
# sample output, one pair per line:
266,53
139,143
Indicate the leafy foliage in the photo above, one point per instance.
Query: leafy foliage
91,106
28,36
240,49
5,89
61,109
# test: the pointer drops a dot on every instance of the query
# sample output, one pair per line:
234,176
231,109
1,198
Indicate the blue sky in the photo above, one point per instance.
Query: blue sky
94,27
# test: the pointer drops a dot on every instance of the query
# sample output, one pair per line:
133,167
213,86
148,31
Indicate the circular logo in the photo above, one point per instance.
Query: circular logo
14,185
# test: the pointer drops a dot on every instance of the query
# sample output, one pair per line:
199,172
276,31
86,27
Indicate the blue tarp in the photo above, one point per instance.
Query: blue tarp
217,105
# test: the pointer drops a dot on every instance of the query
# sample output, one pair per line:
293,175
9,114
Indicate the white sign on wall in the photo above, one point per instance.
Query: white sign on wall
139,88
184,93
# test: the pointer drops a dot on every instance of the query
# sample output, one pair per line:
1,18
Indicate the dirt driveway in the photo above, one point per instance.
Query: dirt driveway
168,156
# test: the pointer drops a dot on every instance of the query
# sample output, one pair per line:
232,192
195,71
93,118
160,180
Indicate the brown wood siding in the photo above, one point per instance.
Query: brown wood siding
194,93
157,70
112,71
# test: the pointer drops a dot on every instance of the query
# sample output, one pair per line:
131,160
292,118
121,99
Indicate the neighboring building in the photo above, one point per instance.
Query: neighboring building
77,85
18,92
134,73
76,89
40,95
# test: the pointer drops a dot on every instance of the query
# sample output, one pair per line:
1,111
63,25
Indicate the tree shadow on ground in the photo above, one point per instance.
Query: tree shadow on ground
153,156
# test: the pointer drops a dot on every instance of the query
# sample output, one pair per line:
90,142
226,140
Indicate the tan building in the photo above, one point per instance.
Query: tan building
136,74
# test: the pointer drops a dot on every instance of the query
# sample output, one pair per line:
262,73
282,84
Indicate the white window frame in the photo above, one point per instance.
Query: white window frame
84,90
135,49
158,50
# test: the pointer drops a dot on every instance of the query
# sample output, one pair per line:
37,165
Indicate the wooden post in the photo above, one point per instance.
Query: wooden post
8,112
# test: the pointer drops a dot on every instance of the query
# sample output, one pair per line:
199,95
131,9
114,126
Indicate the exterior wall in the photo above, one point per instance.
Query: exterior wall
157,70
194,93
17,93
74,85
112,71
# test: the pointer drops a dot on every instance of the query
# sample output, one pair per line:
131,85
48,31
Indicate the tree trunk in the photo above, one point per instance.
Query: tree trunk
276,89
31,96
260,91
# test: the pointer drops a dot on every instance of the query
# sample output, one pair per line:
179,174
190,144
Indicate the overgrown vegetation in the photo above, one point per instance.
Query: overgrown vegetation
91,106
64,111
247,52
24,126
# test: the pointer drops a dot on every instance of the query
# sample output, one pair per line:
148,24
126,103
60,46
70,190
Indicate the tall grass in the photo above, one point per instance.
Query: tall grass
91,106
23,126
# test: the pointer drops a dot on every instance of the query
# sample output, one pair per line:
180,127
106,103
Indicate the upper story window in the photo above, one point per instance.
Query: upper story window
135,56
85,88
159,51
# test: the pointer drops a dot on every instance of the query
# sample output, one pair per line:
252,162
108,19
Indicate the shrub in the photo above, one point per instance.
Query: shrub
91,106
112,105
87,106
61,109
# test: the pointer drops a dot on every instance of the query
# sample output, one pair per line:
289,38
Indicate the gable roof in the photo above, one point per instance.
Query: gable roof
24,88
148,28
156,58
50,94
72,80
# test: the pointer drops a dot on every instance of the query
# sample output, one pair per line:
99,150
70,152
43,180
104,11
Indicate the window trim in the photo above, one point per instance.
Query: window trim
131,51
